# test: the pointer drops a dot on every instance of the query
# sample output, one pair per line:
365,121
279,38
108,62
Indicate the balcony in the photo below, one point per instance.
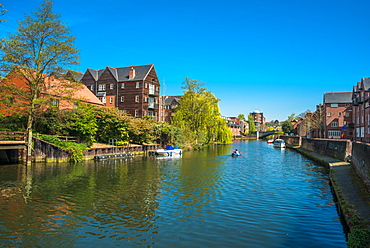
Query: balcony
153,106
153,93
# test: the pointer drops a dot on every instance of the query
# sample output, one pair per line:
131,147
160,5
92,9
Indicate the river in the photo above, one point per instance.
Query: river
267,197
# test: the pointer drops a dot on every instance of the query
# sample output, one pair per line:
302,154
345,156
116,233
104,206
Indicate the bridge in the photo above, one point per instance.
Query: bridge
12,145
265,134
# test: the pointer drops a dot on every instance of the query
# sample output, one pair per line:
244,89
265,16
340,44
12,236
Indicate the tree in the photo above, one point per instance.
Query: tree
287,126
242,117
252,126
2,12
42,45
198,115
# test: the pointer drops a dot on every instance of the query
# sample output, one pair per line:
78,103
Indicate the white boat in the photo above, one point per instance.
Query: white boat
169,151
279,143
270,141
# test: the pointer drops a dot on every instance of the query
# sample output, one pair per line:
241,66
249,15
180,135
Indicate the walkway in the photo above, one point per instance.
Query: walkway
341,174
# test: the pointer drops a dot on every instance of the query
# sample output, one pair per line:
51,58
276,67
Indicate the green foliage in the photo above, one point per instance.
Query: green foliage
359,238
81,122
252,126
76,148
287,127
13,123
111,125
140,131
242,117
198,116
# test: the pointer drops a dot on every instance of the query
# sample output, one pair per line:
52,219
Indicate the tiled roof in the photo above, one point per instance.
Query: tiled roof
121,74
366,81
168,99
338,97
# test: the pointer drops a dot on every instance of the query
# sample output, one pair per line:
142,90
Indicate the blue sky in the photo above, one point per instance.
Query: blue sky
275,56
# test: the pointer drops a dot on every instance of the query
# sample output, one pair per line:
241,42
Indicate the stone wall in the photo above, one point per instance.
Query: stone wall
361,160
335,148
45,151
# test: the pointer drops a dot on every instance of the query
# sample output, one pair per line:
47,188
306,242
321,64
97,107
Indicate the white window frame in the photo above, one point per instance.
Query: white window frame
102,87
137,85
122,85
137,98
122,98
334,124
92,87
111,99
111,86
334,105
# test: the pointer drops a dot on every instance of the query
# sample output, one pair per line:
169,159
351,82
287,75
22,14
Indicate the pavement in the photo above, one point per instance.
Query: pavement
345,180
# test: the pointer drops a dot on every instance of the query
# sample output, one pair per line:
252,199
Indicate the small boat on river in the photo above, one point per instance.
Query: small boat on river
169,151
270,141
236,153
279,143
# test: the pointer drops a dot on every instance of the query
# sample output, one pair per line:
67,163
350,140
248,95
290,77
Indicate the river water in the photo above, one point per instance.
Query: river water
267,197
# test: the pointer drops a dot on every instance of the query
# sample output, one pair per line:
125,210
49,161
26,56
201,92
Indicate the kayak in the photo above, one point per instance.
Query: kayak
235,155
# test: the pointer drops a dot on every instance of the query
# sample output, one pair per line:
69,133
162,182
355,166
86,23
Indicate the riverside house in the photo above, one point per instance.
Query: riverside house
338,115
133,89
361,110
60,93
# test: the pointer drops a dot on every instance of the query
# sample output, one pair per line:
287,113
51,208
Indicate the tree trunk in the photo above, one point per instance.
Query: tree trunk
29,139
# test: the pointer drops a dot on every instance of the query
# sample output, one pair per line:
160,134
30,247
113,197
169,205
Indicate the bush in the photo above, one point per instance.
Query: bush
76,148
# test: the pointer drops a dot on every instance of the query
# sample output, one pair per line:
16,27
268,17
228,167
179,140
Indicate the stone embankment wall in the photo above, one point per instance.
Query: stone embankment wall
46,152
356,152
361,160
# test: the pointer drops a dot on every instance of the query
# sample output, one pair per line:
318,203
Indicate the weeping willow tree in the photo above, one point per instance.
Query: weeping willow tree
198,116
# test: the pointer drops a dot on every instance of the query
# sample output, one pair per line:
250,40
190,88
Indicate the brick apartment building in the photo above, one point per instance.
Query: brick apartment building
134,89
169,104
259,120
338,115
361,110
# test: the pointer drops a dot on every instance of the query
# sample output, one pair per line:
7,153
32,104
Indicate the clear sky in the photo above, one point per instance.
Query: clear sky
275,56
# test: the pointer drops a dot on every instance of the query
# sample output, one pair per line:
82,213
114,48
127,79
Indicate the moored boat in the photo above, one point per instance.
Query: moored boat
169,151
279,143
270,141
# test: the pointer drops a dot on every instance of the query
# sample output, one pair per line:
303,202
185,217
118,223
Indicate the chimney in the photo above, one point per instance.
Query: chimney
132,73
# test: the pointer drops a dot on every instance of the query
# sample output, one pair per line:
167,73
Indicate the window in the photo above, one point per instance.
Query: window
101,87
334,124
329,114
110,99
102,99
146,85
136,98
151,89
111,86
122,98
122,85
334,133
334,105
137,85
144,113
339,113
92,87
145,99
136,112
151,113
54,102
347,114
347,104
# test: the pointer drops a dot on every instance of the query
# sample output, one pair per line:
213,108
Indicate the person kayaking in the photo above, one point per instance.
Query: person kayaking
236,152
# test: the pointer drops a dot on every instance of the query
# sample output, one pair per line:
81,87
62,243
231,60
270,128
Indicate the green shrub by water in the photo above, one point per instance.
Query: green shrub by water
76,148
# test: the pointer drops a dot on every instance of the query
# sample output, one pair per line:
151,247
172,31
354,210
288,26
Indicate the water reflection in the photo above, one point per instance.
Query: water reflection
266,198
